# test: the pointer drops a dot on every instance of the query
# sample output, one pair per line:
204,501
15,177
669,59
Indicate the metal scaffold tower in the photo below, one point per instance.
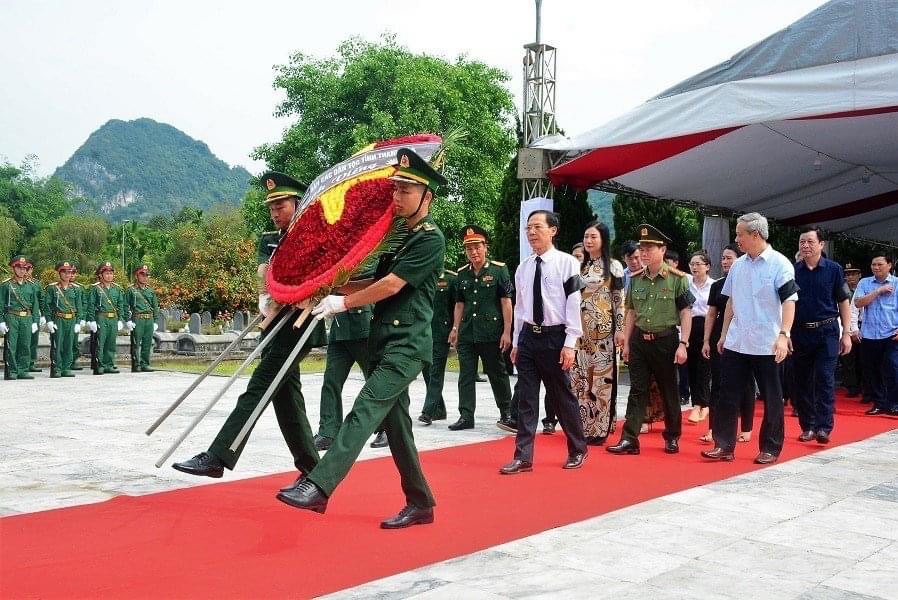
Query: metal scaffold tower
539,115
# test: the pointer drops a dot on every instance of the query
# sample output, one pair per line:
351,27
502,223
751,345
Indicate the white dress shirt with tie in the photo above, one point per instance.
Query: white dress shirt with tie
559,307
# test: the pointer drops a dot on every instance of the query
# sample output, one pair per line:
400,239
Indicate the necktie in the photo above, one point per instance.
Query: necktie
538,292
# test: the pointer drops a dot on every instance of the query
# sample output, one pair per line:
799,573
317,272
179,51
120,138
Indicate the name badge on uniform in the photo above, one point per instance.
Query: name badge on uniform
442,284
487,279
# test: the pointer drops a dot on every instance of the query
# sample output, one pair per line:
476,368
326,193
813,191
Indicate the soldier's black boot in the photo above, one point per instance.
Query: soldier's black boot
306,495
203,464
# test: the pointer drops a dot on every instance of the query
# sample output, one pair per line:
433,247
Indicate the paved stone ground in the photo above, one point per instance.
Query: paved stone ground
823,526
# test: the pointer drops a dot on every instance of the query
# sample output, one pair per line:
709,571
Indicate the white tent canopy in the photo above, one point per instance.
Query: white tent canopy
802,127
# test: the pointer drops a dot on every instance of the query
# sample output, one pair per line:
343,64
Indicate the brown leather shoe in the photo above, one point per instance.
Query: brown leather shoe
719,454
516,466
765,458
806,436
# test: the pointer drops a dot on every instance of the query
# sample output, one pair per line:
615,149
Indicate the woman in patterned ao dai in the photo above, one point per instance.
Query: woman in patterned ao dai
594,374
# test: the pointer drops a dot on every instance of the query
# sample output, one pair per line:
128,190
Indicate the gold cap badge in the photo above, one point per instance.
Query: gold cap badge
269,183
644,232
403,161
469,231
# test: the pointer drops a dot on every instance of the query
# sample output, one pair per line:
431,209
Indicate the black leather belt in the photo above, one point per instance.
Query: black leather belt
543,328
651,336
816,324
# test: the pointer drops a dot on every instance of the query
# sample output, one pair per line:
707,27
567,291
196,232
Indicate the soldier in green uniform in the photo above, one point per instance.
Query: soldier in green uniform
82,303
106,308
400,345
19,318
482,326
347,343
63,308
284,193
657,300
443,308
143,307
42,321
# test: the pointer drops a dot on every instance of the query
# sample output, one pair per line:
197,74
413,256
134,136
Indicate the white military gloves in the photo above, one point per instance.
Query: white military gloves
121,325
264,299
34,328
77,327
43,321
330,306
4,328
51,327
131,325
92,326
155,327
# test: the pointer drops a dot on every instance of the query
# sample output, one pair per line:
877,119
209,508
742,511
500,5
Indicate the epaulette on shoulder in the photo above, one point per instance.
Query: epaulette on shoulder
7,279
116,285
429,227
95,284
54,284
76,284
462,268
270,232
497,263
677,272
451,272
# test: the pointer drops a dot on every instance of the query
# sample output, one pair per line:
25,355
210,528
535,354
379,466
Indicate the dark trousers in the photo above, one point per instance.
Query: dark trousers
746,407
340,358
537,361
699,368
289,404
851,368
656,358
434,375
815,352
881,371
737,370
548,404
494,366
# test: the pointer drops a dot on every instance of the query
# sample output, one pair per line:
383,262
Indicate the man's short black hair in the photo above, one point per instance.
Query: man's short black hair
672,255
552,218
821,236
629,247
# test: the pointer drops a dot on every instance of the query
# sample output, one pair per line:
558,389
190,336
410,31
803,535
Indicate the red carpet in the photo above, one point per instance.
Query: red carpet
234,540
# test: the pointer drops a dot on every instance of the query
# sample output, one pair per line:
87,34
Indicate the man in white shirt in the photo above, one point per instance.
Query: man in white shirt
762,292
546,328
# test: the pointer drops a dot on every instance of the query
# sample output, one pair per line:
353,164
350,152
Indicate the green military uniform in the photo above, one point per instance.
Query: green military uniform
35,336
399,345
20,316
481,328
443,306
656,303
63,308
347,344
106,307
143,306
289,403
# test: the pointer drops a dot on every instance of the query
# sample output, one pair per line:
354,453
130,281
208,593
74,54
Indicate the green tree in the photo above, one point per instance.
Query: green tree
680,224
71,237
374,91
32,202
10,235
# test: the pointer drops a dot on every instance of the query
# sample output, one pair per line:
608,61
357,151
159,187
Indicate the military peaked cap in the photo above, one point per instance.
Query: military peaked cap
411,168
472,234
21,261
280,186
647,234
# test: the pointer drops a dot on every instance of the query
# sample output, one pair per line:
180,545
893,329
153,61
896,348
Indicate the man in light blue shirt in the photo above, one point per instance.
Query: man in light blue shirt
879,330
755,339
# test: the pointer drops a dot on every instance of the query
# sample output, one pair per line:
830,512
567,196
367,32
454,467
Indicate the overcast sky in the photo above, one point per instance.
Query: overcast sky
205,67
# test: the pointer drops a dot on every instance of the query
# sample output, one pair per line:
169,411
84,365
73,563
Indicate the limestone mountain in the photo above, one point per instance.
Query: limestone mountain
141,168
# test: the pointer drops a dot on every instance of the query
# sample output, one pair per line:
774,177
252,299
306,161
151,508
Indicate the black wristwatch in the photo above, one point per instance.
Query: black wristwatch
685,343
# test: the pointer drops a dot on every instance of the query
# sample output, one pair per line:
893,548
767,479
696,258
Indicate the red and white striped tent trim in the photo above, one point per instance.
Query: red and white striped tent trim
801,127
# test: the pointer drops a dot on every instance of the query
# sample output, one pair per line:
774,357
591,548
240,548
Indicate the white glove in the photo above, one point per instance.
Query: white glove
131,325
77,328
34,328
43,321
264,299
51,327
92,325
155,327
330,306
4,328
121,325
82,323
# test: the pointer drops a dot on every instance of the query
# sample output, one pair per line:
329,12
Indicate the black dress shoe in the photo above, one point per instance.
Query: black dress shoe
806,436
516,466
822,437
300,478
147,369
766,458
624,446
322,442
408,516
894,412
462,423
380,440
595,440
508,425
203,464
548,428
76,368
671,446
35,370
719,454
875,411
425,419
306,495
575,461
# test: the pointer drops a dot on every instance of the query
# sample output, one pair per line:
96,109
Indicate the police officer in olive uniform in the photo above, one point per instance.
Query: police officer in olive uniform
106,307
482,327
63,308
443,309
42,320
82,303
347,343
400,345
284,193
19,318
143,307
657,300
